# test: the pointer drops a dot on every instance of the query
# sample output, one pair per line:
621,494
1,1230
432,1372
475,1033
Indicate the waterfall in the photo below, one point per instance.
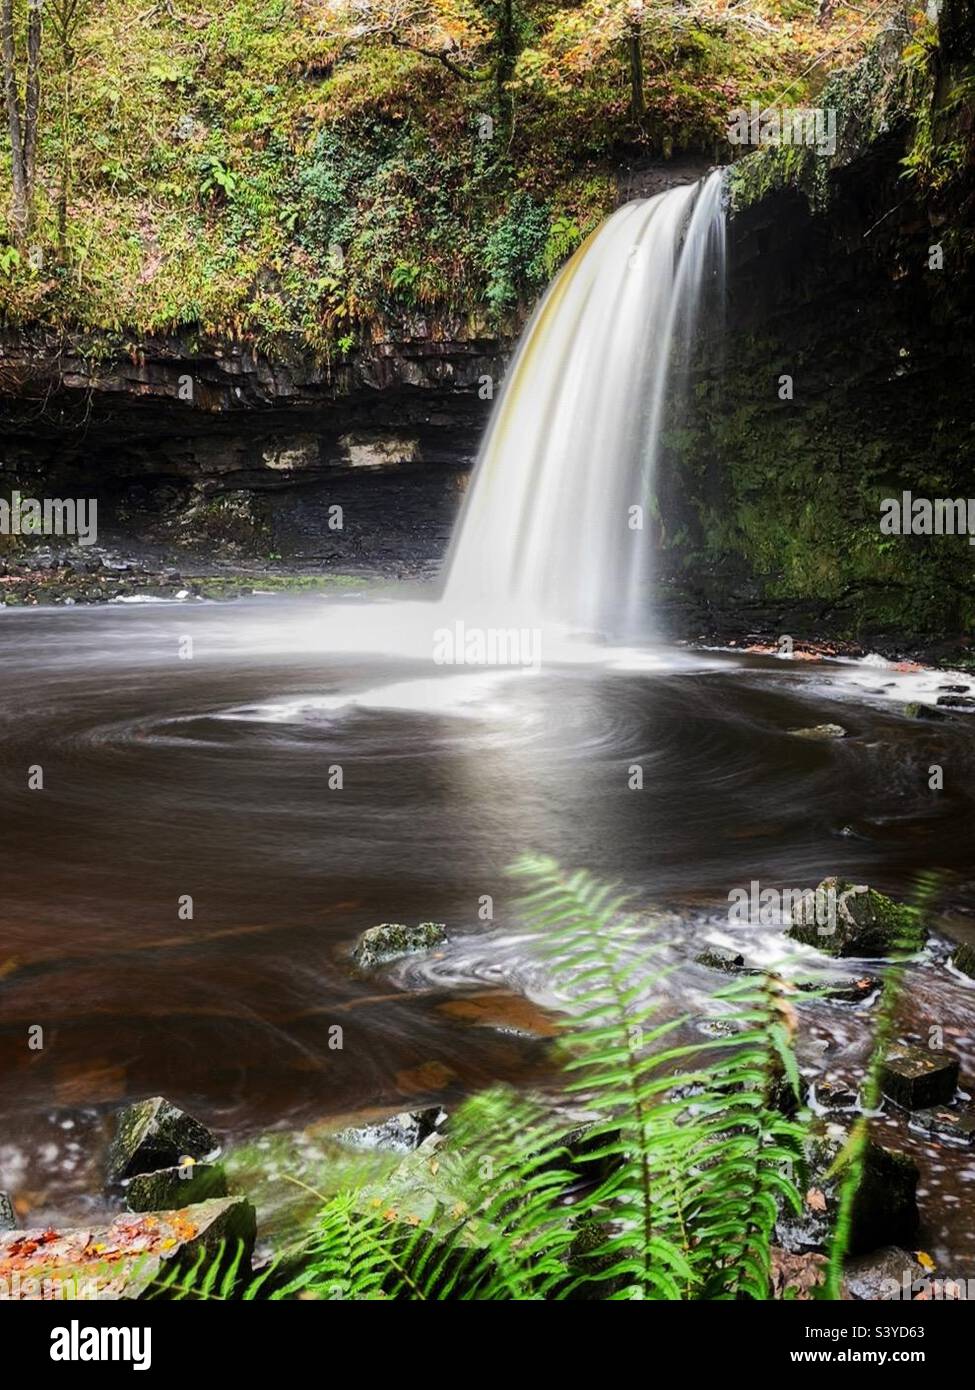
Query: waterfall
549,531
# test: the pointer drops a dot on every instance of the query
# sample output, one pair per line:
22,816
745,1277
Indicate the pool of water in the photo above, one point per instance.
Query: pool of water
194,751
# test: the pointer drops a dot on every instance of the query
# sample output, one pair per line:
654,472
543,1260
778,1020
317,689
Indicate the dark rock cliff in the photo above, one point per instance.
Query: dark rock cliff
843,374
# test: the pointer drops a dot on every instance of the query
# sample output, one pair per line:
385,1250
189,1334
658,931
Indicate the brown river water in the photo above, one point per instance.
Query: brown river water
165,776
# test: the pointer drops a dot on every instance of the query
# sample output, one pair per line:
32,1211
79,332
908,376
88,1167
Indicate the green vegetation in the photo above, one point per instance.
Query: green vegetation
268,167
677,1180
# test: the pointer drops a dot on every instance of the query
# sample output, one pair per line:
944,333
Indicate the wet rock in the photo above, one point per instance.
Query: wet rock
8,1217
154,1134
842,991
820,732
170,1188
883,1274
401,1133
916,710
847,919
884,1209
963,959
916,1078
834,1095
716,1027
124,1258
391,940
942,1122
957,701
718,959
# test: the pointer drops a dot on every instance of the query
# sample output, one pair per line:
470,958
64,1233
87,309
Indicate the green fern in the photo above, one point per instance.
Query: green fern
673,1191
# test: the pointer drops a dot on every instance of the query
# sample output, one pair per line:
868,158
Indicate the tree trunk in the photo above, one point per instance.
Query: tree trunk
18,197
638,101
23,119
507,56
32,105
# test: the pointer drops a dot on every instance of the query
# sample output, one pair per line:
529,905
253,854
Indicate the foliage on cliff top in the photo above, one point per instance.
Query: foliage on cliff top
318,167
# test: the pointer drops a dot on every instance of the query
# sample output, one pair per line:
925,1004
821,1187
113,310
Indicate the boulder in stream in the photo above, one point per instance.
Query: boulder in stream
917,710
851,919
830,1094
154,1134
916,1078
716,958
390,940
944,1122
842,991
884,1209
401,1133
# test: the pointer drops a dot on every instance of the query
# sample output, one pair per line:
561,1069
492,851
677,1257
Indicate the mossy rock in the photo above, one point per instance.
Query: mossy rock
915,1078
170,1188
154,1134
390,940
964,960
917,710
847,919
884,1210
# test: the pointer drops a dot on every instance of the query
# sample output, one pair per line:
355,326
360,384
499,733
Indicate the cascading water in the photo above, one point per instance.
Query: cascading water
549,532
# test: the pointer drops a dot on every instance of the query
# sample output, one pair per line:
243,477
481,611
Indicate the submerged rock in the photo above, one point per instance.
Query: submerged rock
176,1187
916,1078
390,940
917,710
124,1258
847,919
820,732
883,1274
154,1134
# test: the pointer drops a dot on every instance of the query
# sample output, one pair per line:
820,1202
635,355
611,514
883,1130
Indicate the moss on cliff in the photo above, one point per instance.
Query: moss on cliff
270,168
852,276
